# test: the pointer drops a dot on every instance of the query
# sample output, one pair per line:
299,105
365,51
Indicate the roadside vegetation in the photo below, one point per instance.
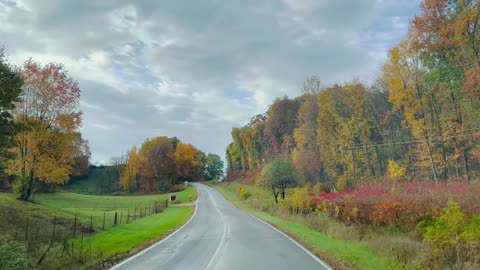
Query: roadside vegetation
68,229
392,166
339,252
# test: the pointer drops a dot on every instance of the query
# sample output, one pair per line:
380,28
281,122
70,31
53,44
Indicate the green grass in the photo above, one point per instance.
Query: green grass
14,214
68,200
337,252
96,207
64,207
126,238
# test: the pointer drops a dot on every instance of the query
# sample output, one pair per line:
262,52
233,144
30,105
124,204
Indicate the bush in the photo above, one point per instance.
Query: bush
178,187
162,187
13,255
402,204
20,186
452,238
244,194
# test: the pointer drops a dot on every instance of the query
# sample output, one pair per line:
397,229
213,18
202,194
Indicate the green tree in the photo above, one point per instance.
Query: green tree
444,235
213,166
278,176
10,89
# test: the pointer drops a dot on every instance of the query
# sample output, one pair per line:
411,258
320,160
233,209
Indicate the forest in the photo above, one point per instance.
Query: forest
422,113
401,153
163,164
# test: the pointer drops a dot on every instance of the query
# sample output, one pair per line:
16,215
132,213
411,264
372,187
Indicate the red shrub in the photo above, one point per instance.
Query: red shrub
402,204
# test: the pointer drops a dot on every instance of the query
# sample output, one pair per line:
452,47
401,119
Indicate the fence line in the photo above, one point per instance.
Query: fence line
64,231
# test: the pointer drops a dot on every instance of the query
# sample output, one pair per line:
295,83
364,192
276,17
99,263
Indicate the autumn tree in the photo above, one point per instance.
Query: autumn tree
129,176
305,134
158,155
446,36
48,117
187,161
280,124
81,159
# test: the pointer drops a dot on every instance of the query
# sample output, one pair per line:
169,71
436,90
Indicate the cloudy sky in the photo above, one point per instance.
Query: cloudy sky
195,69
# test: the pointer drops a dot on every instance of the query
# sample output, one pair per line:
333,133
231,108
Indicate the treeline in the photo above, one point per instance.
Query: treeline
161,163
40,143
422,114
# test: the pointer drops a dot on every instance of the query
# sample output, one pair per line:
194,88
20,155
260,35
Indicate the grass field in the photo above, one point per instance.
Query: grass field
96,207
75,201
340,254
55,213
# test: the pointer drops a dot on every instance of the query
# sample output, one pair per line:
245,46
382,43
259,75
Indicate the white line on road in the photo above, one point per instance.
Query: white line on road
161,241
295,242
282,233
226,232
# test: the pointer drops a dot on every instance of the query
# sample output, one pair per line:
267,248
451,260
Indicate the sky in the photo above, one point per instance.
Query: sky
195,69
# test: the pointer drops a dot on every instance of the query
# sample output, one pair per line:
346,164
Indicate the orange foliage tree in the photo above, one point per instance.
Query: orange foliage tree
48,116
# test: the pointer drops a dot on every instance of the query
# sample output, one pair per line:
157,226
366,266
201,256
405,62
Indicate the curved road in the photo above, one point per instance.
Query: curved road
220,236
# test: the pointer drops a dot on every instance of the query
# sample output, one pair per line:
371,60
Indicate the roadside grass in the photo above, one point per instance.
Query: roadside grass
117,243
340,254
64,207
14,214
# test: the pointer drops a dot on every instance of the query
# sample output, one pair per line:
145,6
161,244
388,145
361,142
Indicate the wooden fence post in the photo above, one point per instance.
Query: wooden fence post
115,223
53,231
75,226
90,229
26,231
103,221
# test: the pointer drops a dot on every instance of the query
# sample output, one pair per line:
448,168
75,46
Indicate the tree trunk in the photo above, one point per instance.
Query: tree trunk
445,164
354,169
25,196
432,161
275,194
369,164
379,160
465,164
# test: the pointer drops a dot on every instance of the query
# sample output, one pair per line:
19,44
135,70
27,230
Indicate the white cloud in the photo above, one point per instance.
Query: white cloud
150,68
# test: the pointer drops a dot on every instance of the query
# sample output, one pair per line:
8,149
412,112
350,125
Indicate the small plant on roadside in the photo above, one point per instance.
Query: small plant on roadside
453,239
243,194
13,255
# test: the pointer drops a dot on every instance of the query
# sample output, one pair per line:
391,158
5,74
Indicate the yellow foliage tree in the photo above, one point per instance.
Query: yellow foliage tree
408,92
395,171
187,160
129,176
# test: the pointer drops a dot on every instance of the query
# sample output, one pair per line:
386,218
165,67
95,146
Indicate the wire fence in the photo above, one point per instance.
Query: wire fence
75,234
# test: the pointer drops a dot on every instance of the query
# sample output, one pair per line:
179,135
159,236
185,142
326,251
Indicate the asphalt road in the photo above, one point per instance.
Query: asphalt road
220,236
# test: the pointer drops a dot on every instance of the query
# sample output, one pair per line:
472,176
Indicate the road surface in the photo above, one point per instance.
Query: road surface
220,236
